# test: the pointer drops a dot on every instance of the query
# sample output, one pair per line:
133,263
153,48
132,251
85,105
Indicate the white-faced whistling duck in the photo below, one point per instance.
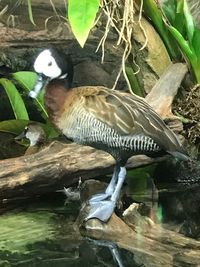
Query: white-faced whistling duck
36,136
119,123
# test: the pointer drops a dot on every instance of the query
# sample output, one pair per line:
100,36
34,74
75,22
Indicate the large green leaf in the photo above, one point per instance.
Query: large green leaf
186,49
27,80
169,8
81,15
15,99
13,126
196,43
151,9
17,127
189,21
133,79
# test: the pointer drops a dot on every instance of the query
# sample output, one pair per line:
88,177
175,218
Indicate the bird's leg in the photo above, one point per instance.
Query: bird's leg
113,249
121,178
110,188
103,209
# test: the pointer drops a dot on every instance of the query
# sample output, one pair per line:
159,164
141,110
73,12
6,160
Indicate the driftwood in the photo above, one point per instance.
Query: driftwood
62,164
151,244
55,166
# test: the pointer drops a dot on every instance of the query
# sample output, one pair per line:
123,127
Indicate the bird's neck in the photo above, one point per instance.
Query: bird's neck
56,94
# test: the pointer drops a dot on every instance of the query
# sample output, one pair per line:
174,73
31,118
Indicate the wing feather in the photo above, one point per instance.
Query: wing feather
129,115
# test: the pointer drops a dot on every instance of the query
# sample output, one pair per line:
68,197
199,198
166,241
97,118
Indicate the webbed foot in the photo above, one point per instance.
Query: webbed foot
101,210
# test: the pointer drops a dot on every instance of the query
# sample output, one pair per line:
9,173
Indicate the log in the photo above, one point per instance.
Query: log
61,165
53,167
164,91
154,245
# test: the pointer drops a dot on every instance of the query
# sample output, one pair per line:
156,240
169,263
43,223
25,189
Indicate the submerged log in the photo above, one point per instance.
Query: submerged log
149,241
61,164
152,243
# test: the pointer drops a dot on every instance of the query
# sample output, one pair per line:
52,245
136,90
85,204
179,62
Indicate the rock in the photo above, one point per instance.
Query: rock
150,57
113,230
91,187
134,219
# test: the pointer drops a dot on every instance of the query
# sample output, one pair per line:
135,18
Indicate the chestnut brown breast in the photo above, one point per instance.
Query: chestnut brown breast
57,98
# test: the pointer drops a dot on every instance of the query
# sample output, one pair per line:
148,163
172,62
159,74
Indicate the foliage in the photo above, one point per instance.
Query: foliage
25,80
15,98
81,17
173,19
134,83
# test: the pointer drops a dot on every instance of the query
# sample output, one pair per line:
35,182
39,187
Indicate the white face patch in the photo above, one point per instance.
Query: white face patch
46,64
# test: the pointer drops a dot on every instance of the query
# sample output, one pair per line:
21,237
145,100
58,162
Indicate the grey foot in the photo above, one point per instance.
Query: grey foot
101,210
99,197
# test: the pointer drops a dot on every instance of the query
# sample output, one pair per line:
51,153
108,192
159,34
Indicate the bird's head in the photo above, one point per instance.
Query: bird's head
49,65
34,133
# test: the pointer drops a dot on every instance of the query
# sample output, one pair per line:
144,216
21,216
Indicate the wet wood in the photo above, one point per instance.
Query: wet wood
150,241
54,167
156,245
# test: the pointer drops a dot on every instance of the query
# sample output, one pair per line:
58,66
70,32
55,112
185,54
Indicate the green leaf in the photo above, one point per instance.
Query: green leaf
189,21
196,43
13,126
169,8
30,13
179,23
180,5
17,127
15,99
152,10
186,49
182,118
81,15
50,130
27,80
135,86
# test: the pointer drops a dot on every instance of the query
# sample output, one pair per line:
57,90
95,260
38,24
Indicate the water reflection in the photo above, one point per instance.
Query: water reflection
108,253
179,186
43,233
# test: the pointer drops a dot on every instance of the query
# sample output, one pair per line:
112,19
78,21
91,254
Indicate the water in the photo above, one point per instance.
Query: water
44,233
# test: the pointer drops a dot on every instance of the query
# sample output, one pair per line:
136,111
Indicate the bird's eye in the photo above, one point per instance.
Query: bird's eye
50,63
25,129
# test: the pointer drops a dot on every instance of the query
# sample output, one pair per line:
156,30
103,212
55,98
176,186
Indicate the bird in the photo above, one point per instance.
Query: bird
119,123
36,136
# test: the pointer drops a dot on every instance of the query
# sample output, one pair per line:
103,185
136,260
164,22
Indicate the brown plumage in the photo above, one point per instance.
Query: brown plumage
119,123
128,115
